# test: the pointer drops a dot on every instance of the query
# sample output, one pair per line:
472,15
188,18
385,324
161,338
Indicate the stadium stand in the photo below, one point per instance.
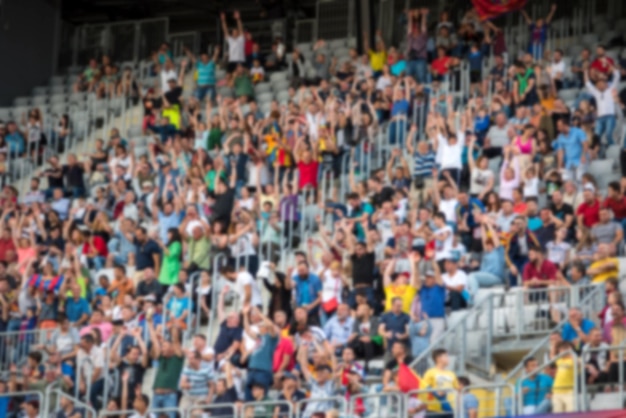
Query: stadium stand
422,221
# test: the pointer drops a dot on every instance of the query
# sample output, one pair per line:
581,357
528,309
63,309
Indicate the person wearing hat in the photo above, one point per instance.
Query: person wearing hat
289,393
432,295
322,385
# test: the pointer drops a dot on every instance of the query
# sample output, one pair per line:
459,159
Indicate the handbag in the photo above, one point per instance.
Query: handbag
331,305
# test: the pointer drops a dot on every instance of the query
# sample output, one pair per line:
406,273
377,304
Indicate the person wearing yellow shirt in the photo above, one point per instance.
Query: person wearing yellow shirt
604,266
378,57
563,386
444,383
397,285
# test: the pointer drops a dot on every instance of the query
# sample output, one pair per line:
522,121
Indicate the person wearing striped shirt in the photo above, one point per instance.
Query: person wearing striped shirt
195,382
423,164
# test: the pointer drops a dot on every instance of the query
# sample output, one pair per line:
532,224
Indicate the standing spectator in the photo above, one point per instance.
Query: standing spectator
170,359
196,382
236,42
365,339
605,103
536,389
417,40
394,324
205,68
562,389
442,382
260,360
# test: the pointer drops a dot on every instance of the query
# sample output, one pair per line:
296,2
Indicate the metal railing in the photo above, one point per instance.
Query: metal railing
592,301
90,412
16,345
503,318
587,390
26,394
494,400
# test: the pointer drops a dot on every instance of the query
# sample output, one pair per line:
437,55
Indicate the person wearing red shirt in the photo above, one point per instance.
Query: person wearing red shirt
95,248
306,160
441,65
7,245
588,212
538,272
603,63
616,201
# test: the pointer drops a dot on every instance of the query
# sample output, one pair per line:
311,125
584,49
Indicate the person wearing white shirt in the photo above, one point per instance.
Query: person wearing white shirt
455,281
168,72
236,42
449,155
244,286
444,237
557,69
605,103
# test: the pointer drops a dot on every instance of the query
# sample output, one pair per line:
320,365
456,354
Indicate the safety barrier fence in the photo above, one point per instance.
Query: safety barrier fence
507,318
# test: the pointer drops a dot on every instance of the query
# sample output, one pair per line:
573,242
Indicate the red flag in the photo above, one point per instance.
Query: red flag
408,380
489,9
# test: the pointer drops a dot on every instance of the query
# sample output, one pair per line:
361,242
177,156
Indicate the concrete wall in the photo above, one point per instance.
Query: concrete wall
28,36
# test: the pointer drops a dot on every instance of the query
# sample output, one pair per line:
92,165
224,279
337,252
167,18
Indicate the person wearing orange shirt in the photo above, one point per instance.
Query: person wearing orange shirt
121,285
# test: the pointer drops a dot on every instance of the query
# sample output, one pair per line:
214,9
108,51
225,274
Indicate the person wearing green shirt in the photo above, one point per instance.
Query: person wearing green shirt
243,84
172,258
171,359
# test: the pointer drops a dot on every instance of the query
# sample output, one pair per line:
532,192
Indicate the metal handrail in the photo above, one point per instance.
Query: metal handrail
598,290
622,393
301,405
490,386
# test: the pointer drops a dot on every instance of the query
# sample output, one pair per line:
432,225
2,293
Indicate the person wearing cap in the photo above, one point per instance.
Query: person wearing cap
402,286
588,212
289,393
432,295
321,386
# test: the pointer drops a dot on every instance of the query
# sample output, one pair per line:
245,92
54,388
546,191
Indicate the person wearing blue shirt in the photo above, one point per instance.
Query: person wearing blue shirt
466,208
399,111
468,399
492,264
178,305
576,330
395,323
205,72
571,147
76,307
260,361
433,297
535,389
15,140
170,217
308,289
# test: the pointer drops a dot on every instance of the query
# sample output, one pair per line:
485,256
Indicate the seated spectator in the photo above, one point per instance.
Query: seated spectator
339,328
607,231
576,331
365,339
603,266
595,357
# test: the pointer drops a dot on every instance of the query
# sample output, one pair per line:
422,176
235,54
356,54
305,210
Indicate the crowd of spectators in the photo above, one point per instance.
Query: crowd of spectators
107,266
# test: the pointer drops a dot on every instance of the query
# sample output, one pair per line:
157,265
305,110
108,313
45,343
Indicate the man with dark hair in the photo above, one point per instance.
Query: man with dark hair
442,383
535,389
571,146
147,252
469,400
616,201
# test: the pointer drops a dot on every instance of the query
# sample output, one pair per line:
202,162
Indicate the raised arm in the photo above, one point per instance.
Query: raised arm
551,14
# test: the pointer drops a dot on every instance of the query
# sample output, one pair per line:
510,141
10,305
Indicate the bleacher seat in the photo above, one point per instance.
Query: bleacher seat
21,101
262,88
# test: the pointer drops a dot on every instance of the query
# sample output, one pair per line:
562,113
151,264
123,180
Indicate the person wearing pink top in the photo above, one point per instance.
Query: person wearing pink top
509,175
98,321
